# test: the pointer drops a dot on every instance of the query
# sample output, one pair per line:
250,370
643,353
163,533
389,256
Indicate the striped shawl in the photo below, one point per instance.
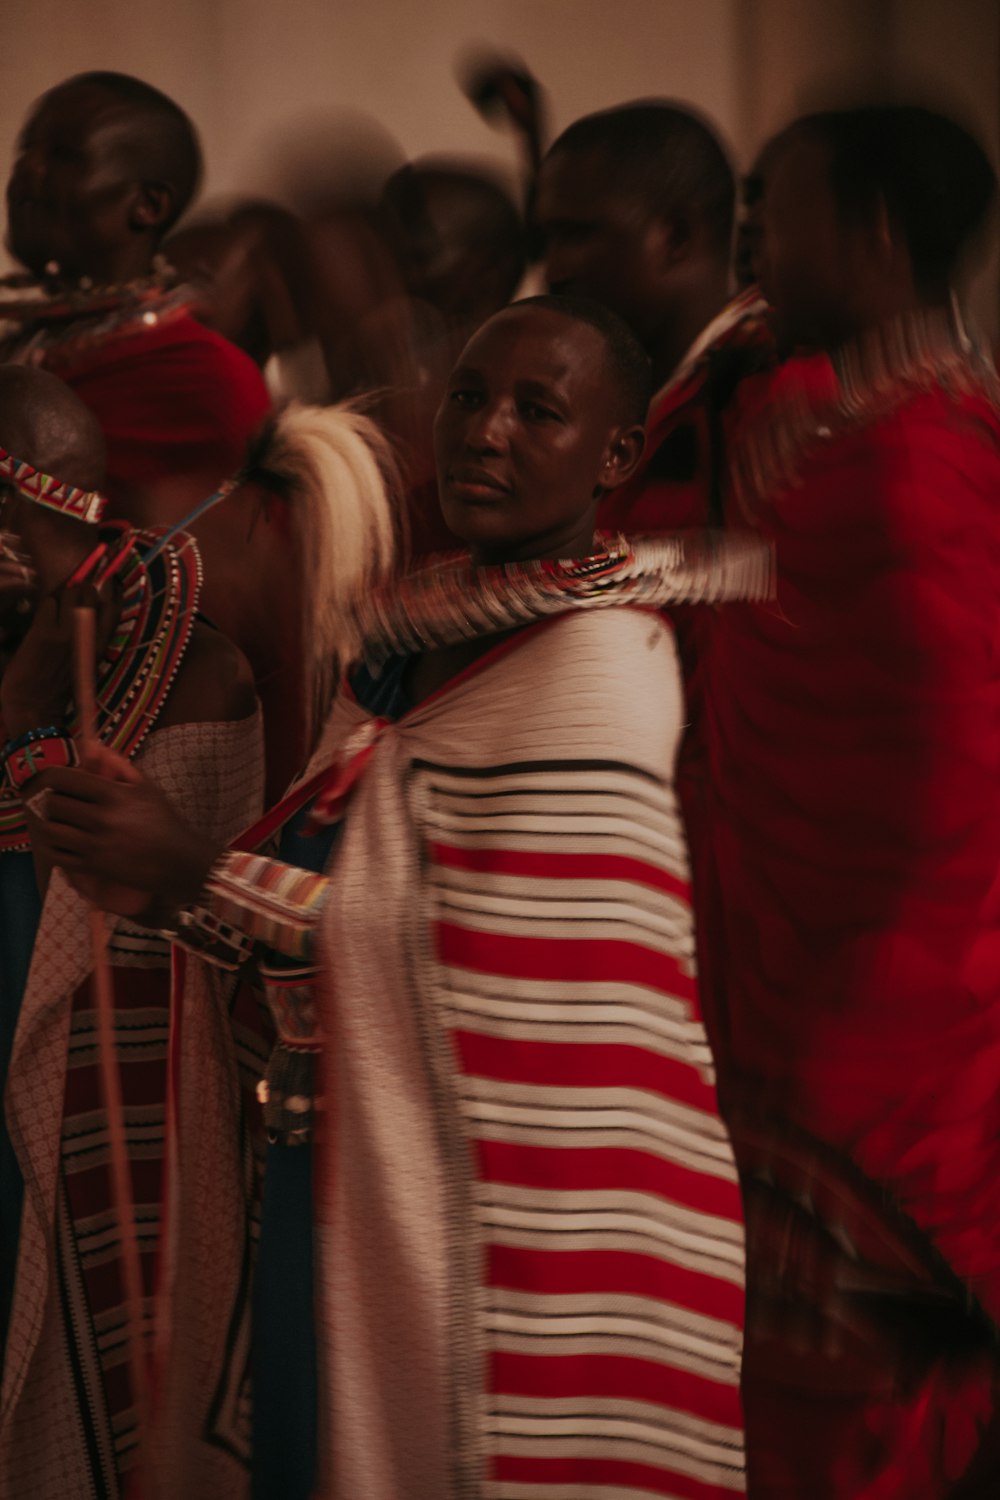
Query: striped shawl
529,1239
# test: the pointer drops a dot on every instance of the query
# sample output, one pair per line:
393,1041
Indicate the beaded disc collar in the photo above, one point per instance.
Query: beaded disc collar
47,321
138,668
453,600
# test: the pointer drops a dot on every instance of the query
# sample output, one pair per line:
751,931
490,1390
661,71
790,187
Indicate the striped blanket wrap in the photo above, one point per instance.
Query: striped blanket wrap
68,1426
529,1236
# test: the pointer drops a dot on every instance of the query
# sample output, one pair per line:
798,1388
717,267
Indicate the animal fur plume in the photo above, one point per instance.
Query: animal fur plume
337,471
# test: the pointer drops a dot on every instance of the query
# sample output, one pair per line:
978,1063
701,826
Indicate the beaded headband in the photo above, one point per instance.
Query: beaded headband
82,505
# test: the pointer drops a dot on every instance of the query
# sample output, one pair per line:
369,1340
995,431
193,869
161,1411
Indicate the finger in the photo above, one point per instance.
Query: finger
79,785
70,848
73,813
17,582
101,761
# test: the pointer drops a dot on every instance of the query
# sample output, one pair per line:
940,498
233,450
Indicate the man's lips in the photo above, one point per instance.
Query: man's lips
475,481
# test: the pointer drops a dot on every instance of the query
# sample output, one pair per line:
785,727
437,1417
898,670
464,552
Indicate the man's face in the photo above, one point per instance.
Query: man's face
528,429
72,188
599,242
809,258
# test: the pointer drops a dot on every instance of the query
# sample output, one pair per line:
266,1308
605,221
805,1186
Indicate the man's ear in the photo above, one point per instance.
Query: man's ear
622,457
884,237
673,239
152,207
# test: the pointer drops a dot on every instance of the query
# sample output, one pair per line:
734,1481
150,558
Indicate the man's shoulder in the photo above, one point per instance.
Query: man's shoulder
177,350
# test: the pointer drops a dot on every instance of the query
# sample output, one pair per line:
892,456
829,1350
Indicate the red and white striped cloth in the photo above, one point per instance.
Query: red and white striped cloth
530,1246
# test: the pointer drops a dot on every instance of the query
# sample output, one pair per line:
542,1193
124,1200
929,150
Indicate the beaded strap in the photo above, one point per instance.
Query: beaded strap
44,751
47,732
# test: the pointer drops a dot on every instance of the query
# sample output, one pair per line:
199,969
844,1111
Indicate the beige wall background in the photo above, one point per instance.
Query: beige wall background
257,75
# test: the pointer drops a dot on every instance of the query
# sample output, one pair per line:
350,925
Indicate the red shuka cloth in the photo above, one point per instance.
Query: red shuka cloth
176,401
852,910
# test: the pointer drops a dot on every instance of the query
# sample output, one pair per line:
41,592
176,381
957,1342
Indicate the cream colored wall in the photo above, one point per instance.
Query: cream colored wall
255,73
248,69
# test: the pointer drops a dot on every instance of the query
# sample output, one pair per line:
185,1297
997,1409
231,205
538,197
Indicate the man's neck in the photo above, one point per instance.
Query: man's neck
895,305
668,347
131,263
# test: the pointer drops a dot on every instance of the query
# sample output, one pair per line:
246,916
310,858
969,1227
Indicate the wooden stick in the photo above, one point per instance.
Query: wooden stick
84,665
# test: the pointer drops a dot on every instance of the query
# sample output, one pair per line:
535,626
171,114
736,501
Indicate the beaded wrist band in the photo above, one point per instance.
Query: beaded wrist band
40,750
197,928
48,732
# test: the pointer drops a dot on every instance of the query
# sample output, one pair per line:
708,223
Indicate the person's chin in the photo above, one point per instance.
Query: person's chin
475,513
476,529
27,251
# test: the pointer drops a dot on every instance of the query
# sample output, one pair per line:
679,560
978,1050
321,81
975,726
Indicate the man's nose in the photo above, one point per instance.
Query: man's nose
559,264
489,427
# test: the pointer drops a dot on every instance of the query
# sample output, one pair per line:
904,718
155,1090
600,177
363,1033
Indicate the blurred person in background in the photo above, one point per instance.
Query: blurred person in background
105,167
849,899
459,243
252,266
635,208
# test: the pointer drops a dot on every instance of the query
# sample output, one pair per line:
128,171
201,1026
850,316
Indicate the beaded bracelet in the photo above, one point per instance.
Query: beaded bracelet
37,751
48,732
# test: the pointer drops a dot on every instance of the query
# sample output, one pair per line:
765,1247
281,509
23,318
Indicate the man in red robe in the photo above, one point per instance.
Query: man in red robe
850,897
105,165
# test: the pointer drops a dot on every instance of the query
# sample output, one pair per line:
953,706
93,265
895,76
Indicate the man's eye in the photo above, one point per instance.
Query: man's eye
465,398
535,412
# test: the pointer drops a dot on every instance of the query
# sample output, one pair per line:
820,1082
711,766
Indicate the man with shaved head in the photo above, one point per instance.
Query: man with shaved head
100,153
105,166
635,208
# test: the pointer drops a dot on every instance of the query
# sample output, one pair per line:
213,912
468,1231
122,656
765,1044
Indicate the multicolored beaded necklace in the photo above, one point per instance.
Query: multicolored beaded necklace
159,604
52,323
453,600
